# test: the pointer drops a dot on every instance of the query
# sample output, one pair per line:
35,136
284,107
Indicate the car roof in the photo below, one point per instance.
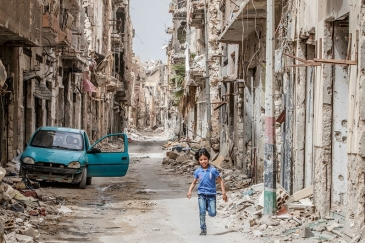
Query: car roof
61,129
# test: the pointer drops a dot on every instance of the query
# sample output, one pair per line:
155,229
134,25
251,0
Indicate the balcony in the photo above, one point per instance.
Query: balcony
197,18
251,15
116,39
50,29
20,22
65,37
180,14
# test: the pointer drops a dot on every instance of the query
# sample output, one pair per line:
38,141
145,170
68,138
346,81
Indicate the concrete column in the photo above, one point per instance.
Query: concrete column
51,105
270,143
323,126
240,135
18,121
77,111
30,114
299,120
98,117
355,203
68,101
84,112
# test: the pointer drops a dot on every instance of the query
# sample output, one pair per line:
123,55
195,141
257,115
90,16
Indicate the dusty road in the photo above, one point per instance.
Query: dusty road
149,204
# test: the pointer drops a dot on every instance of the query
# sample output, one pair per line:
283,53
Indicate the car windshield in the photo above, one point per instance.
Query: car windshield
57,139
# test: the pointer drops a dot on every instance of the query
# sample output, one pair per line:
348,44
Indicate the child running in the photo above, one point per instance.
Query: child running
207,176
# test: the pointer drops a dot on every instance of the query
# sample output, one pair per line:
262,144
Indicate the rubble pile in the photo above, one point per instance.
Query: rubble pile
180,158
23,209
133,134
296,218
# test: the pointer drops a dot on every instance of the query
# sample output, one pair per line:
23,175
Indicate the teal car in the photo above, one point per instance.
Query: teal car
65,155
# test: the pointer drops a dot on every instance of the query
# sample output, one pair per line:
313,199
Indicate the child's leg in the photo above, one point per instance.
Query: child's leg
202,207
212,205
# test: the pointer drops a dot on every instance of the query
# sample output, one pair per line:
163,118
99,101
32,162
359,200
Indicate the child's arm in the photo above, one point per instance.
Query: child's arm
224,195
191,188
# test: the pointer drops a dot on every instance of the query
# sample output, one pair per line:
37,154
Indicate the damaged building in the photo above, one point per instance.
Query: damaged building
149,109
63,63
319,70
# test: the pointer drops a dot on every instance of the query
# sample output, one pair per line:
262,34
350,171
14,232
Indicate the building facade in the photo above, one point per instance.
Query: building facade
319,64
63,63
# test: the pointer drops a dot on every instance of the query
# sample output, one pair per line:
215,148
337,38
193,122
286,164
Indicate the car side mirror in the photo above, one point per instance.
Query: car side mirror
94,151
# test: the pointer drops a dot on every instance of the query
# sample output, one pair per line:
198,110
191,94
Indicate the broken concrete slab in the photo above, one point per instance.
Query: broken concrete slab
10,238
64,209
29,231
257,233
306,192
332,226
258,187
306,202
269,221
24,238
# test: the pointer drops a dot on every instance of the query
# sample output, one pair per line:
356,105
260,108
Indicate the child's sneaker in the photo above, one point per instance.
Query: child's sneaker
203,232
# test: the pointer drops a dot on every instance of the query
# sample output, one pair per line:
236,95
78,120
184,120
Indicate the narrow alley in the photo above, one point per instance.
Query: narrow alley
104,105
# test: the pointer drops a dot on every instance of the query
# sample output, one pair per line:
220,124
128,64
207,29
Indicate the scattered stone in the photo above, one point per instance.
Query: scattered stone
269,221
257,233
64,210
24,238
173,155
306,233
2,173
320,228
29,231
252,222
332,226
249,193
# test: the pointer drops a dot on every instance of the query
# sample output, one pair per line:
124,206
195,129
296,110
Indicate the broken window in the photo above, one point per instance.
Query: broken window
181,3
119,25
181,34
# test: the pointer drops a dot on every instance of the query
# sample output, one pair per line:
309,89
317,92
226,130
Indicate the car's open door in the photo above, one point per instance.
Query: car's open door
108,157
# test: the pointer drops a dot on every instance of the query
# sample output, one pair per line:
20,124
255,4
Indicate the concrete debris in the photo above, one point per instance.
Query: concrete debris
306,233
306,192
2,173
64,210
22,207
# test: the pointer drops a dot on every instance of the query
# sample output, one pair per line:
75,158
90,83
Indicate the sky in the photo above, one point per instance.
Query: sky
150,19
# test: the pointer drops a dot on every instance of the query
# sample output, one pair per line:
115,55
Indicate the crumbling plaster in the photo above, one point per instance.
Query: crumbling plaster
356,126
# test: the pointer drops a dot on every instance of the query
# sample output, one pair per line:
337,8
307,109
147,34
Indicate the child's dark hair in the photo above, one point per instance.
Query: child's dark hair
201,152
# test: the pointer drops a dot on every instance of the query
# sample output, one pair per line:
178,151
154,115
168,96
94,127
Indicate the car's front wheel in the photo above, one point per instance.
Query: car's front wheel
88,180
82,183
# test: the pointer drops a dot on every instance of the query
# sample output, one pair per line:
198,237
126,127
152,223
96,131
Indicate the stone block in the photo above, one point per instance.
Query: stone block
306,192
173,155
2,173
306,233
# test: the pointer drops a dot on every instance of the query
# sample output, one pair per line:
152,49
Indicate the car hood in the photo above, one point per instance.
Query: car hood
52,155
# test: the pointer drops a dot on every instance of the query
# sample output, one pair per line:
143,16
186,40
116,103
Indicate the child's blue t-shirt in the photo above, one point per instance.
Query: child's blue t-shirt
207,178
